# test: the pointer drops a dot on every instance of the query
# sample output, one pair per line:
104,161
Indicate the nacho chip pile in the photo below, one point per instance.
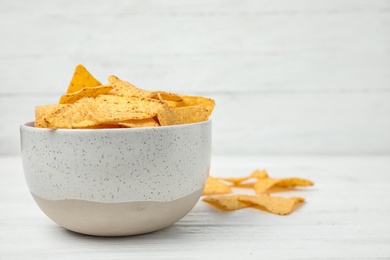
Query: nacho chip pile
90,104
261,184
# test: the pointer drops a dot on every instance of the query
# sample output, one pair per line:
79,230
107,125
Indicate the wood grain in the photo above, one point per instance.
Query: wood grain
346,216
267,123
303,77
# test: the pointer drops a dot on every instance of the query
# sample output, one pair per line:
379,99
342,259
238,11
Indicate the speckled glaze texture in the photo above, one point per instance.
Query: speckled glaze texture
116,165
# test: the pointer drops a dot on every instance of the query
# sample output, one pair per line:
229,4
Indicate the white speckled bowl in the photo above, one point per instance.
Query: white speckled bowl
116,182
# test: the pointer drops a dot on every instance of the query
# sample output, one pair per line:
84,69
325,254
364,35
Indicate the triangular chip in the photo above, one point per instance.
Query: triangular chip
273,204
102,110
81,79
207,103
171,104
84,92
124,88
291,182
256,174
77,115
135,123
167,96
182,115
214,186
44,113
226,202
262,185
111,109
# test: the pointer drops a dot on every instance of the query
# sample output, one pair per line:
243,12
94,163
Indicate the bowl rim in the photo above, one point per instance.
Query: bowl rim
30,125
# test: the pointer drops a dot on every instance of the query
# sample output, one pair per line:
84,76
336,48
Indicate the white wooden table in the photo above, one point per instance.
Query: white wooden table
346,216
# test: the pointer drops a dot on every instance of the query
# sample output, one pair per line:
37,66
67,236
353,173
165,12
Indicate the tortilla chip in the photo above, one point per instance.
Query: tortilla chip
111,109
167,96
89,104
214,186
256,174
84,92
292,182
182,115
147,122
81,79
94,125
226,202
207,103
262,185
42,113
124,88
68,115
103,110
273,204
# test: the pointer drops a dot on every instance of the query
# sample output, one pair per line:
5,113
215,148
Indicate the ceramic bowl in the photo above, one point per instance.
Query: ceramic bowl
116,182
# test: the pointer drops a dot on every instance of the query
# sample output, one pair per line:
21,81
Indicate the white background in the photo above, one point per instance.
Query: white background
288,77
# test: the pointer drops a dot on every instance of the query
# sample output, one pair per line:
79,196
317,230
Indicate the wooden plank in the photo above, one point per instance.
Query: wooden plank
308,77
304,123
198,45
346,216
265,123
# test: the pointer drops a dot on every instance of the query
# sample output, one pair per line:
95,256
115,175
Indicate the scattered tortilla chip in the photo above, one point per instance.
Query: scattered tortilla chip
214,186
256,174
273,204
84,92
292,182
262,185
81,79
226,202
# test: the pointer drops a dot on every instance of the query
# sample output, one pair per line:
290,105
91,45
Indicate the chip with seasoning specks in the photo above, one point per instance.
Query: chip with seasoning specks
260,184
82,78
214,186
274,204
226,202
84,92
88,104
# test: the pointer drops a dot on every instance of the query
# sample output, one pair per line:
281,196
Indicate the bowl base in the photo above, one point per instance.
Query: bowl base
116,219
